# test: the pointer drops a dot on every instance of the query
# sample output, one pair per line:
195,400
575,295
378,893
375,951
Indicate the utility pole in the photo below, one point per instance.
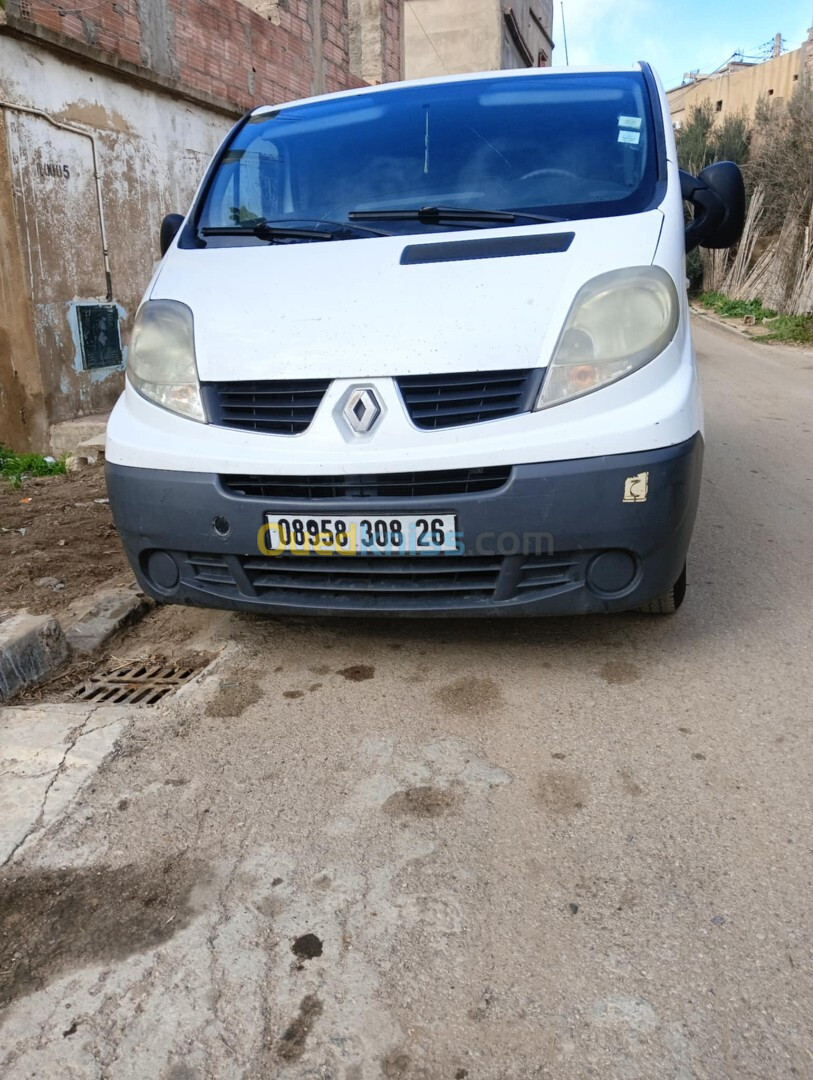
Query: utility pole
777,45
564,32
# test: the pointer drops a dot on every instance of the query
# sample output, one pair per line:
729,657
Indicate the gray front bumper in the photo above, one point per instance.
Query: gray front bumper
558,538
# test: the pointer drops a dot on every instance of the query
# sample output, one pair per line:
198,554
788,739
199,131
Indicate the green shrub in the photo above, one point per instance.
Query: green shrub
704,139
14,467
797,329
792,328
735,309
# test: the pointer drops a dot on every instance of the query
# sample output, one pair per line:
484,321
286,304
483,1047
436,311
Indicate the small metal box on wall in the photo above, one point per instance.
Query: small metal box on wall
99,336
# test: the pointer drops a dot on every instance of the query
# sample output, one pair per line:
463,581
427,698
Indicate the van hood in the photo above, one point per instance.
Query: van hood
352,309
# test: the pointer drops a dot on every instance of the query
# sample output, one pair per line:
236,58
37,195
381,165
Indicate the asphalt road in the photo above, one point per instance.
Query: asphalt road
556,849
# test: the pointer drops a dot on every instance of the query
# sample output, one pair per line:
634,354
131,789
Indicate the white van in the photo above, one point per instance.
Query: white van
424,349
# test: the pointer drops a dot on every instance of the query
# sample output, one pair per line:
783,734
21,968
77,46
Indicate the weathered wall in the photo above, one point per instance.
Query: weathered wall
739,89
244,53
158,83
152,152
533,19
374,39
22,416
446,37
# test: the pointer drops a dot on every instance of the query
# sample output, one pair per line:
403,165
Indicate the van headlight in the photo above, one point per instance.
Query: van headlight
618,322
161,362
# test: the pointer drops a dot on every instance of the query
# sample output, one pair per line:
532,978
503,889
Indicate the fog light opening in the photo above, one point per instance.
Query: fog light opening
162,570
221,525
613,573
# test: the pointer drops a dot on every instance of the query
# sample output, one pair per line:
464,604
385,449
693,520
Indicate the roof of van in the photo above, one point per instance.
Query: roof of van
438,80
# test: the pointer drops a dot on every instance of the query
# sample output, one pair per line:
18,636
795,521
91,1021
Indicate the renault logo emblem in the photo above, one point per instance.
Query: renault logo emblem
362,410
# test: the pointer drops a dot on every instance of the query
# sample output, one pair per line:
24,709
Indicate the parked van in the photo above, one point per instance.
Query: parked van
424,349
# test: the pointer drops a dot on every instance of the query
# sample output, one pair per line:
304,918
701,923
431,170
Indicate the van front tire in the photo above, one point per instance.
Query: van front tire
670,601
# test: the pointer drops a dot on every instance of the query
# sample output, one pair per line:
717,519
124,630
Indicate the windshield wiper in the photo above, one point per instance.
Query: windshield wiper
268,230
436,215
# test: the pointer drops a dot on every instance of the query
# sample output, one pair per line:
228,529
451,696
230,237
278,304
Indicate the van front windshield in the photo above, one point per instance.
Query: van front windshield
563,146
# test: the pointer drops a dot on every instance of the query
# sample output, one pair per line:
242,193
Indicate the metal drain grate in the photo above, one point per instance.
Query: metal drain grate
134,684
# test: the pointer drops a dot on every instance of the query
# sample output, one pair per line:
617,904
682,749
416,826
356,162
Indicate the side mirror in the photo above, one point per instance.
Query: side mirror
718,197
169,230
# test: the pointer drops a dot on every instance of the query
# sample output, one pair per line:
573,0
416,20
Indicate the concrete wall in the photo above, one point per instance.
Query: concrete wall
449,37
737,89
446,37
152,151
158,83
23,422
375,41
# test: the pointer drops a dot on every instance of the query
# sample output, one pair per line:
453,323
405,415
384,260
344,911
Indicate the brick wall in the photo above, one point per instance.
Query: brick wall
225,50
391,22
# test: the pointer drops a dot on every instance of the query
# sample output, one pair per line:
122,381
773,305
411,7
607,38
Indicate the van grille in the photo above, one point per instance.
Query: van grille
288,406
407,485
336,580
275,407
441,401
381,583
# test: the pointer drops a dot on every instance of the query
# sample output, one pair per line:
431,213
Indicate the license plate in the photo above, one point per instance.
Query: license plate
360,534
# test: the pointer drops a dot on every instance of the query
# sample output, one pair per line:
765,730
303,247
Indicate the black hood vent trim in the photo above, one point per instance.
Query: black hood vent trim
495,247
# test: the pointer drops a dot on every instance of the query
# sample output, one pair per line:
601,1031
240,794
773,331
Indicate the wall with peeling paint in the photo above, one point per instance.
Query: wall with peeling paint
152,151
158,84
23,423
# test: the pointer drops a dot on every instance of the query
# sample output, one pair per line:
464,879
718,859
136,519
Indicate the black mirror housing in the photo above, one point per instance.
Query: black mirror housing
718,197
169,230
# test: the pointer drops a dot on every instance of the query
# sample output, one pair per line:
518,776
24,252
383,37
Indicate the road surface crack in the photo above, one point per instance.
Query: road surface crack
74,735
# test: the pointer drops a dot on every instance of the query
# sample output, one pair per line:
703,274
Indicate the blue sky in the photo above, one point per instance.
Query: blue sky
674,37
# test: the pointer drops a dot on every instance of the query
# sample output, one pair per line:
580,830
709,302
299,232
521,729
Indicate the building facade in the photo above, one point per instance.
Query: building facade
736,88
448,37
109,113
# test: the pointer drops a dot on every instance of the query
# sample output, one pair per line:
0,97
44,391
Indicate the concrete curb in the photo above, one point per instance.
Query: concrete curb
32,649
69,436
104,615
708,317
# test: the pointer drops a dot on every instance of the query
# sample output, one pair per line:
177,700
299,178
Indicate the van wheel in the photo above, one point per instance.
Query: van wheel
670,601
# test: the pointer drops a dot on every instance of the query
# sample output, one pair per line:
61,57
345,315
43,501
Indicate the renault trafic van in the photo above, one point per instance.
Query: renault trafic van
424,349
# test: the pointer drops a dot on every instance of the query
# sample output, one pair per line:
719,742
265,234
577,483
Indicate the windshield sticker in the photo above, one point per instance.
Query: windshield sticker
630,122
631,137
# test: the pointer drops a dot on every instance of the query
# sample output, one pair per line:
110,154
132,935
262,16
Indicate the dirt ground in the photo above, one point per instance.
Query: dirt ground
57,541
